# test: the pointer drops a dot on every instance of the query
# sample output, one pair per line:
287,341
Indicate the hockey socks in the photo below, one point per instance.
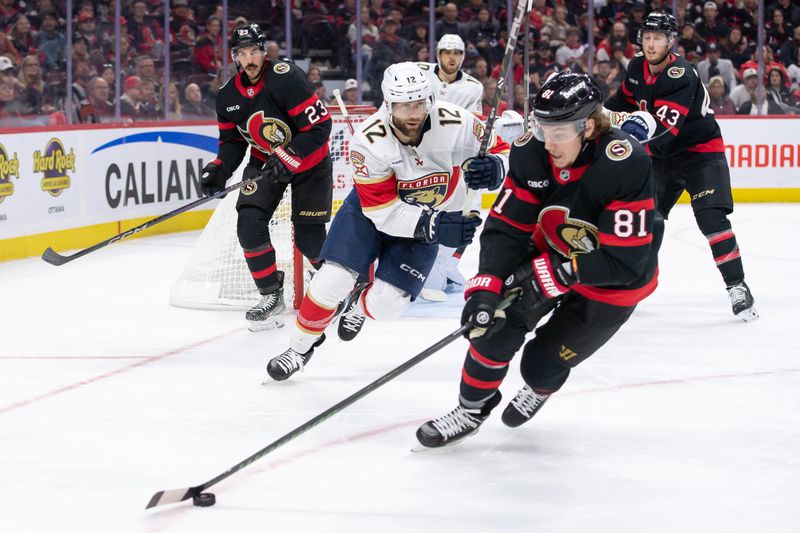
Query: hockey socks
481,376
262,266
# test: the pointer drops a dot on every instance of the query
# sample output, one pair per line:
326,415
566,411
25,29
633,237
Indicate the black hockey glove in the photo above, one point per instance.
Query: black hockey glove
543,278
447,228
212,179
480,310
483,172
282,164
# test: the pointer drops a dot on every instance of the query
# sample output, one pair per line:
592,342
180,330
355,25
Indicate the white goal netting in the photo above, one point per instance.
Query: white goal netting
216,275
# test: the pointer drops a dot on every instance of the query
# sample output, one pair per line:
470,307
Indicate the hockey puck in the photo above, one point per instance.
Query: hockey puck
204,499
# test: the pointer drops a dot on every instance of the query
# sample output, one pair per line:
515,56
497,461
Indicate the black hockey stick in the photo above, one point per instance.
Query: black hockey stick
54,258
204,499
501,80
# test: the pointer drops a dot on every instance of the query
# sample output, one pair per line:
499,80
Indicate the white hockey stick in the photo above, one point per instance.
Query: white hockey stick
343,109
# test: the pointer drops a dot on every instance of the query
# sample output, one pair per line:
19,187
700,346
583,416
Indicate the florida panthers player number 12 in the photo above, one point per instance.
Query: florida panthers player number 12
409,191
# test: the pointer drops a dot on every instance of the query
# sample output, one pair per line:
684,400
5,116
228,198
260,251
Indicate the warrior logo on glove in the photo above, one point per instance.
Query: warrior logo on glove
568,236
264,133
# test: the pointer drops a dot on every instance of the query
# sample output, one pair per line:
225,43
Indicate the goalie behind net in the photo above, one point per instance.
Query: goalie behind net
216,275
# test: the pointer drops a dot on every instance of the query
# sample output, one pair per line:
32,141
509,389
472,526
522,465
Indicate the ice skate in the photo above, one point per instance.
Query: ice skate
268,312
523,406
459,423
742,302
433,295
352,320
283,366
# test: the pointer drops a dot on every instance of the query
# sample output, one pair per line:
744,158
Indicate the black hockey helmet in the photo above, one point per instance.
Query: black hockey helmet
250,35
567,96
661,22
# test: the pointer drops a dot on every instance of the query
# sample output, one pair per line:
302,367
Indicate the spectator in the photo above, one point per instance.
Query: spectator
183,29
713,65
788,51
21,38
208,49
489,91
519,99
483,30
480,71
194,107
175,110
320,90
131,100
420,35
449,22
7,68
369,35
8,14
791,13
618,36
145,68
778,32
389,49
571,50
778,89
50,42
744,93
149,106
690,42
99,93
618,59
273,52
542,66
734,47
638,11
419,53
32,87
314,75
350,92
710,29
517,69
555,29
87,28
794,71
719,102
581,65
769,107
605,75
145,30
9,108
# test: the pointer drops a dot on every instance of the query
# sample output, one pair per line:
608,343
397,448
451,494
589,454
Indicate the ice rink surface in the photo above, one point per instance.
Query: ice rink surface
688,420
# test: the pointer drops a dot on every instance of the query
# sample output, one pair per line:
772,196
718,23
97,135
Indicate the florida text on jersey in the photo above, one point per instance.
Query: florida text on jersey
281,109
600,212
679,102
394,180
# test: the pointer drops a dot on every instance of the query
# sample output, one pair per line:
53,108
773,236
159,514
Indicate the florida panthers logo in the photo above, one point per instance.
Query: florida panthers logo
431,190
265,132
568,236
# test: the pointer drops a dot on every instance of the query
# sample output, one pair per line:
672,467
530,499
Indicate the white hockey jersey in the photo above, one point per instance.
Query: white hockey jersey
394,181
466,91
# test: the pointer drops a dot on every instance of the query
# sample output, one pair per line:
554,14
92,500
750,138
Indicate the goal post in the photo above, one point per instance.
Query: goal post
216,275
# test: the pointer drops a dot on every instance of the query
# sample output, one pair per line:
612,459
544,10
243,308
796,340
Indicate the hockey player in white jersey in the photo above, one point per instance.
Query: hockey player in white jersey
411,169
449,82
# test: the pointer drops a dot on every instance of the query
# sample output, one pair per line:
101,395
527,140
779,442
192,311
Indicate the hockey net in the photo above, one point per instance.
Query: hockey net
216,275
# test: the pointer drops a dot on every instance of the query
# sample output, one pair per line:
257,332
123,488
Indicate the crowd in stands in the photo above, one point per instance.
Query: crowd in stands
718,36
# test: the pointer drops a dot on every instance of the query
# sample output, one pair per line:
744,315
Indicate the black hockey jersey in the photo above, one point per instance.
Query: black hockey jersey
599,211
281,109
677,99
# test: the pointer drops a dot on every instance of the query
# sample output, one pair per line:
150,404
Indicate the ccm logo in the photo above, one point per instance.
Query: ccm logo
413,271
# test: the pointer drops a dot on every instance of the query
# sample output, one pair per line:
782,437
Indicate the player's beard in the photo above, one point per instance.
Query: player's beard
447,69
411,132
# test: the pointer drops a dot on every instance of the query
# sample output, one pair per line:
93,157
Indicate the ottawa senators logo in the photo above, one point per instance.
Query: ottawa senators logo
675,72
523,140
250,188
568,236
265,132
618,150
281,68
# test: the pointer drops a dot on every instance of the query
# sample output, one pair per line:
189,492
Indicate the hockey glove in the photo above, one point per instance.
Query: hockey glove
640,125
483,172
282,164
543,278
212,179
480,310
447,228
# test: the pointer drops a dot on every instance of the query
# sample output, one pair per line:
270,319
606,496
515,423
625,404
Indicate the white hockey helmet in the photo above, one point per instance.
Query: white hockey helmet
450,41
405,82
510,125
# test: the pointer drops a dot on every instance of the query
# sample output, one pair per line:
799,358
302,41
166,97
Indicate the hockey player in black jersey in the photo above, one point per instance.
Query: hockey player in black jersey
271,108
578,206
687,148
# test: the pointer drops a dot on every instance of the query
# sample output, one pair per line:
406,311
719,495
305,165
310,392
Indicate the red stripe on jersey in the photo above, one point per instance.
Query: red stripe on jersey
313,159
217,161
250,255
455,176
377,194
251,90
520,193
672,105
226,125
500,146
619,297
713,146
727,257
258,154
721,236
261,274
638,205
625,90
609,239
296,110
477,383
363,299
313,317
528,228
485,360
320,121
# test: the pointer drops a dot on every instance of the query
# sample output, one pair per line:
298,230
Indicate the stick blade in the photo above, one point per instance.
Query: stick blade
53,257
164,497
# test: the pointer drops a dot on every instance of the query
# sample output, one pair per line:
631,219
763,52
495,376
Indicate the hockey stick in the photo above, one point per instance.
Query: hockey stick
501,80
54,258
164,497
527,69
343,109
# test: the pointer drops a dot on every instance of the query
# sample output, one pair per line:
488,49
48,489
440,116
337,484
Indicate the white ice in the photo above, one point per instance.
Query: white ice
688,420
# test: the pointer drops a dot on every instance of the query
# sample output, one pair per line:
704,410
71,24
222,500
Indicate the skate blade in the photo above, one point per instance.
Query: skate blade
749,315
420,448
265,325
